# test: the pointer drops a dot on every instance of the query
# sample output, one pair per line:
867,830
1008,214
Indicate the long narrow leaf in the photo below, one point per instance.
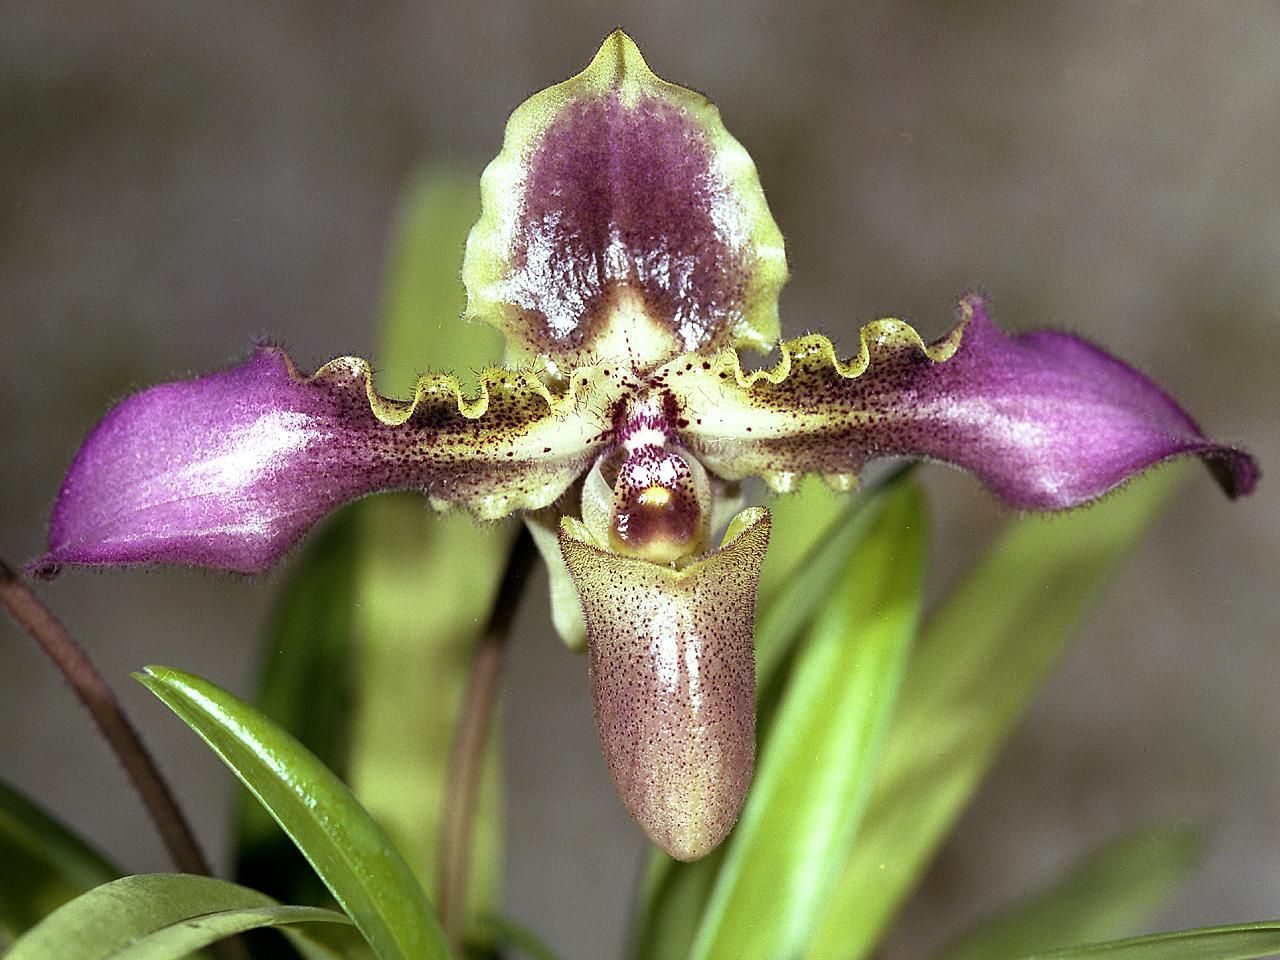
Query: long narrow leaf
816,767
43,864
1242,941
422,326
981,658
350,852
414,651
415,655
1112,893
673,896
811,578
306,690
801,522
161,916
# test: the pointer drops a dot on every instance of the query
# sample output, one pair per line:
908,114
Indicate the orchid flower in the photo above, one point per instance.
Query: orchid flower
626,251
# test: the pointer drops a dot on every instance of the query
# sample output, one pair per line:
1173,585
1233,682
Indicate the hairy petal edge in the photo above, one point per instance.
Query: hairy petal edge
1046,420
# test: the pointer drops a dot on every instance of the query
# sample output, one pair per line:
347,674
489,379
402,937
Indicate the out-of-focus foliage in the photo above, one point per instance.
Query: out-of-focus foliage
981,658
42,864
1243,941
1112,892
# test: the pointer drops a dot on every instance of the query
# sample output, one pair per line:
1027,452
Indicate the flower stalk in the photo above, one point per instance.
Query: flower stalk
474,722
104,707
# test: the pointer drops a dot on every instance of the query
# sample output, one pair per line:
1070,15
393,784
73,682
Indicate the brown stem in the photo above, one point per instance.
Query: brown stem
93,691
91,687
469,744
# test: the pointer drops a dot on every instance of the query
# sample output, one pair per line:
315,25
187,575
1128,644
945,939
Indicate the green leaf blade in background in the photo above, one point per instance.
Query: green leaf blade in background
415,655
672,898
980,660
413,651
1242,941
43,864
817,531
818,758
1111,893
825,529
307,691
422,326
802,521
161,916
360,634
351,853
499,932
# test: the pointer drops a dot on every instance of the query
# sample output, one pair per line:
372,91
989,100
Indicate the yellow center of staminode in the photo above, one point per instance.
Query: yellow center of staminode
657,511
655,497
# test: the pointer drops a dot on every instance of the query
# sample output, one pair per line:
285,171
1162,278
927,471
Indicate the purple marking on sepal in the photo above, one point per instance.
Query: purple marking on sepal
625,195
230,469
1046,420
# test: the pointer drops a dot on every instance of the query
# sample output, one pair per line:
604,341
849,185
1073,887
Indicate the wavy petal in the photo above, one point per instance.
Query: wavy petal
1046,420
621,220
230,469
673,679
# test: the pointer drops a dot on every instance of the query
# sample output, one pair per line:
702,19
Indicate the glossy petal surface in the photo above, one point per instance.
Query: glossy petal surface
228,470
622,221
673,681
1045,420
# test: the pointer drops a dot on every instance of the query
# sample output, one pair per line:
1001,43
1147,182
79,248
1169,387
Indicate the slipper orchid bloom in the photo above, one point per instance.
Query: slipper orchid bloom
626,251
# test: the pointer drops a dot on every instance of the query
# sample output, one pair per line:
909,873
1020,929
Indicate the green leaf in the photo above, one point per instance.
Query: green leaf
415,654
809,580
306,690
801,522
981,658
818,540
1113,892
414,651
816,766
162,916
351,853
44,864
673,897
422,325
330,941
499,931
1242,941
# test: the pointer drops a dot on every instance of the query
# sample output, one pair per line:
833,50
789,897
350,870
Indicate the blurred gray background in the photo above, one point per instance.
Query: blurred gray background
178,179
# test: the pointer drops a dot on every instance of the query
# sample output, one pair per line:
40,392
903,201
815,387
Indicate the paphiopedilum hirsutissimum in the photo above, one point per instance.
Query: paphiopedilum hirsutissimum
626,251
